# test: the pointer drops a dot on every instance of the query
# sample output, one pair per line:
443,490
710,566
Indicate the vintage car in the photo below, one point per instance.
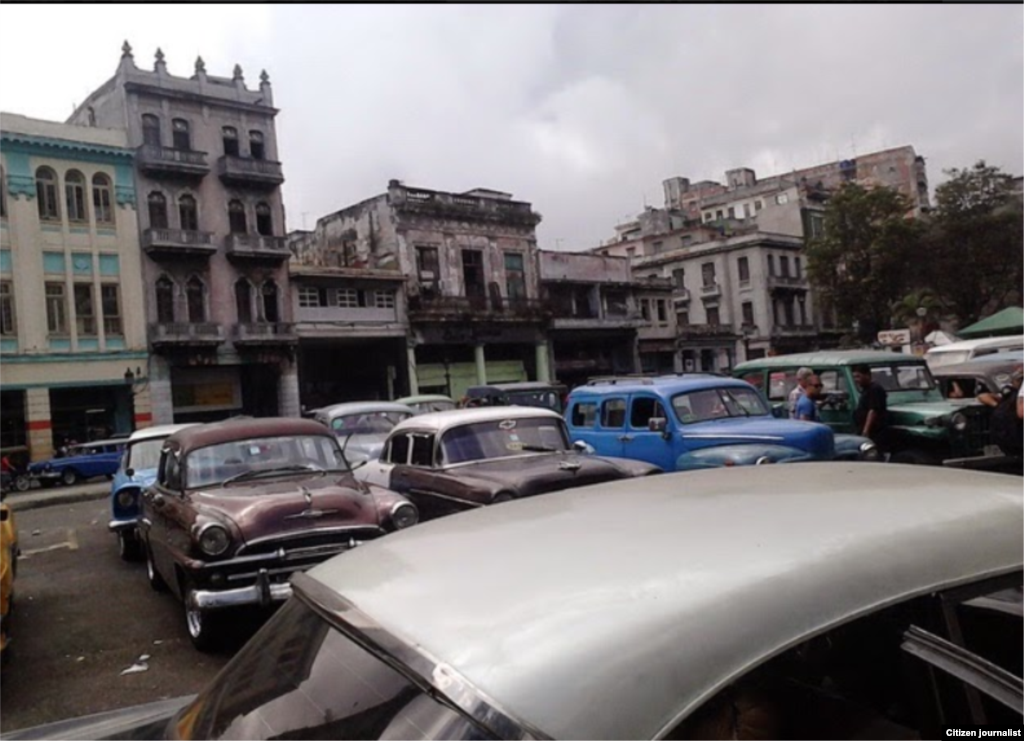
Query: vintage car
447,462
695,421
136,471
961,352
9,553
362,426
923,428
987,374
85,461
522,394
427,403
237,506
849,601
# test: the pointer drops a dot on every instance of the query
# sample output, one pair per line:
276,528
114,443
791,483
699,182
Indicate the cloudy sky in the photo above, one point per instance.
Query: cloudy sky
582,110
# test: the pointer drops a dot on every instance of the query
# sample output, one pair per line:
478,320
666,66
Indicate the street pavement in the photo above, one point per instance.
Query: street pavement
20,501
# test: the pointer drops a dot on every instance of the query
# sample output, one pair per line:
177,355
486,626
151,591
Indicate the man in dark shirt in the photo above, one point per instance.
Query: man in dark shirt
872,412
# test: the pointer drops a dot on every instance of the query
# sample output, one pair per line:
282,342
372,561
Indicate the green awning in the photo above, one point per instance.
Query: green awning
1006,322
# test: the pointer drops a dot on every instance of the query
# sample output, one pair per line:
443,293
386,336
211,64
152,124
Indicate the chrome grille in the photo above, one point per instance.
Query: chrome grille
309,544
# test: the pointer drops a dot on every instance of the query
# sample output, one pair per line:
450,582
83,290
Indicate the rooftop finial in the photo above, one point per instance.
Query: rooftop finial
200,65
126,49
264,77
238,72
159,55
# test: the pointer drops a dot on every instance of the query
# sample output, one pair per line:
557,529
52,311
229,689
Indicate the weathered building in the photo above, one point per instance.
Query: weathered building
215,263
471,289
72,332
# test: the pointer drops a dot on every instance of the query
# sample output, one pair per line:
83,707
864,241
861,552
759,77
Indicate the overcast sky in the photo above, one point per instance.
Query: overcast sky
582,110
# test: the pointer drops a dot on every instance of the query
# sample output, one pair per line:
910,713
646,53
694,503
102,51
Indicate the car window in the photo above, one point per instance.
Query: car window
643,409
145,454
398,449
720,403
754,378
833,380
422,450
613,413
902,377
780,383
367,423
503,438
584,414
172,471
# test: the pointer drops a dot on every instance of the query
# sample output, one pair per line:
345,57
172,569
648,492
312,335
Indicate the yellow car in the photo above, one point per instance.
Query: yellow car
8,570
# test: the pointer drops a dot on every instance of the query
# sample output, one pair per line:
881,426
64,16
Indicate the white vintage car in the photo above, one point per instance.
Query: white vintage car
829,600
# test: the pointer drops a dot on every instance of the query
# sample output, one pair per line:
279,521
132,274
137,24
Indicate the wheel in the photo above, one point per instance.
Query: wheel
22,482
502,496
204,627
155,580
69,477
915,457
128,546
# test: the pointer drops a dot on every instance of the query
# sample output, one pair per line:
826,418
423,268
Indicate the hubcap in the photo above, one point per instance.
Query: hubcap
193,617
150,569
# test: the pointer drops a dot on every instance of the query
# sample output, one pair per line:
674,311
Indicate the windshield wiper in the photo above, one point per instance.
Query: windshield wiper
294,468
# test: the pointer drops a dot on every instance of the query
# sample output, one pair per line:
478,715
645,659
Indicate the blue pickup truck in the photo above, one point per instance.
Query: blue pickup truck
696,421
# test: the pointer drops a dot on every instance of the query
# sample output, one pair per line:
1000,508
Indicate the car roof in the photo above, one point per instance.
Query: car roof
543,607
978,367
454,417
423,398
1013,341
147,433
239,429
664,384
100,443
517,386
362,407
828,358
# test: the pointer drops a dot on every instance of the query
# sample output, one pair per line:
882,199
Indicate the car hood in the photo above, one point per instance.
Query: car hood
544,472
291,504
815,439
148,721
913,412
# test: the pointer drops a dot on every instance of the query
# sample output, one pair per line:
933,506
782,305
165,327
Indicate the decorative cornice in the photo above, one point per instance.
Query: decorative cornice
65,148
125,195
141,88
21,185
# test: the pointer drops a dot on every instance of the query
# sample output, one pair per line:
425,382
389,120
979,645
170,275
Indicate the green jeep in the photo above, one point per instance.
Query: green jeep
923,426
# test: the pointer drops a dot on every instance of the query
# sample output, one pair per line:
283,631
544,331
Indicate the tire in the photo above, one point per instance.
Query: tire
915,457
155,580
69,477
22,483
502,496
128,546
205,628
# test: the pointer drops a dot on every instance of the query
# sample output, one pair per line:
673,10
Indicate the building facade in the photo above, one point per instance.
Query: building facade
215,265
72,333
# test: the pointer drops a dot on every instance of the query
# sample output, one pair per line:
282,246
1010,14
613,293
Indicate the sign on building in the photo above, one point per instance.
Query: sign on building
894,337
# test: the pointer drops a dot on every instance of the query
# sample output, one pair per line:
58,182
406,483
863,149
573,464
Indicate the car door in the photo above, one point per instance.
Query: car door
612,437
641,442
160,506
413,475
838,400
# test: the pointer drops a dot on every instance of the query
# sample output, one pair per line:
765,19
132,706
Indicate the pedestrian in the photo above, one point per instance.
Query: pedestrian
801,381
807,403
872,413
1007,421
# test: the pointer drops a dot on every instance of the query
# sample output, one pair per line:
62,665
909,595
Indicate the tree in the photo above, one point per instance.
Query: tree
863,263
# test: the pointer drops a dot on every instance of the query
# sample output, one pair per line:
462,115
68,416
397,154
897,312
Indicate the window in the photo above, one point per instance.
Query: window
56,309
679,278
784,266
311,297
269,294
101,199
229,135
74,193
613,413
719,215
256,148
422,450
771,264
398,449
515,276
782,199
788,309
157,211
802,306
151,130
708,216
758,205
712,314
384,299
748,313
3,193
264,223
46,194
111,304
426,264
188,216
85,311
243,300
236,217
743,265
196,299
164,300
644,409
747,212
796,266
473,273
683,317
182,135
707,271
816,225
732,212
584,414
348,298
7,327
662,305
645,309
616,303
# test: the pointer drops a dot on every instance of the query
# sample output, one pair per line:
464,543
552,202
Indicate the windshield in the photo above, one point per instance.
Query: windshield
433,406
937,359
503,438
367,423
543,399
145,454
301,678
903,377
720,403
216,464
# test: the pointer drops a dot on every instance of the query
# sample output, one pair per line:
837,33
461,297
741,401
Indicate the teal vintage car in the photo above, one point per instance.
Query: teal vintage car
923,427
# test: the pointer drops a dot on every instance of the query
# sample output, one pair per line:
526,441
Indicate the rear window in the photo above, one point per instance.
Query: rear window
780,383
584,414
613,413
902,377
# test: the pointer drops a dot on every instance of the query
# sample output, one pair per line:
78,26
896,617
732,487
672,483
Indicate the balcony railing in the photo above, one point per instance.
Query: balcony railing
710,291
156,160
706,330
256,246
681,295
177,242
246,171
185,334
265,333
787,281
476,308
469,208
793,330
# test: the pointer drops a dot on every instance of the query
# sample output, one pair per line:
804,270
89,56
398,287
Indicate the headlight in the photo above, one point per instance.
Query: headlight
762,460
126,498
934,422
870,452
958,422
404,515
213,539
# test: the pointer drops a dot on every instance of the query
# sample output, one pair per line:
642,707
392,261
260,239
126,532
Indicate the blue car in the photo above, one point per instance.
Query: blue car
136,471
85,461
696,421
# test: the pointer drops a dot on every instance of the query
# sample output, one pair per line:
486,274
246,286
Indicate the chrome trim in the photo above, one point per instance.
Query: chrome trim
397,506
738,438
283,539
415,663
529,454
118,525
439,495
257,594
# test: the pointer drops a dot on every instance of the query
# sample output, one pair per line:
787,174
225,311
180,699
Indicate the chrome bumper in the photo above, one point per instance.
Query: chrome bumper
263,592
117,525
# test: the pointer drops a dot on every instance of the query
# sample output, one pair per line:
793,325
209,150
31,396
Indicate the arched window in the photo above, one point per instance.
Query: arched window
164,300
236,217
264,223
74,192
157,210
182,136
195,294
101,199
243,300
229,134
269,303
46,194
3,193
256,148
188,216
151,130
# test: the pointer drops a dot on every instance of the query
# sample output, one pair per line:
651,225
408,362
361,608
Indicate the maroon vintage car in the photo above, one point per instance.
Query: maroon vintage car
238,506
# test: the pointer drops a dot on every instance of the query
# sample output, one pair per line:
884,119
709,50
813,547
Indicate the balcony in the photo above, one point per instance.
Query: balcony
173,243
787,283
252,334
681,296
185,335
794,330
608,321
249,172
440,205
256,247
698,331
476,309
169,162
711,290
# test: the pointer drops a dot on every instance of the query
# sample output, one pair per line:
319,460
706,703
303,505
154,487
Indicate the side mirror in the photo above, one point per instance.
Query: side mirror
582,447
129,472
657,424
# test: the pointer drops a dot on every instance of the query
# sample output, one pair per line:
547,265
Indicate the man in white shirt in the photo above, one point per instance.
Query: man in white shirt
802,376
